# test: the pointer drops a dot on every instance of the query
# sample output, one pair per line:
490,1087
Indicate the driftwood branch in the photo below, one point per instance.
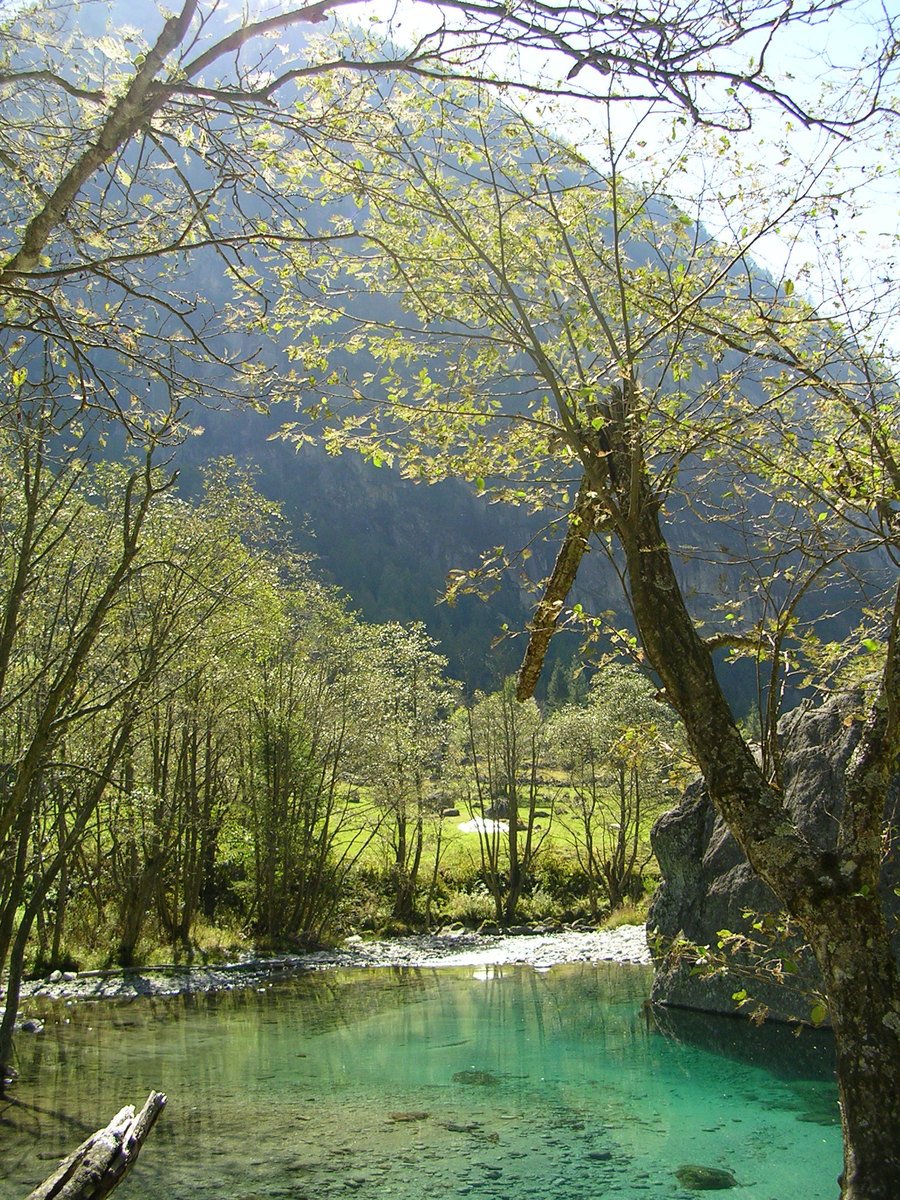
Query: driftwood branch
101,1162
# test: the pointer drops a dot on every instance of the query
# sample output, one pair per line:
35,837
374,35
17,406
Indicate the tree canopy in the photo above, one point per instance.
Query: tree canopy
529,284
137,156
586,345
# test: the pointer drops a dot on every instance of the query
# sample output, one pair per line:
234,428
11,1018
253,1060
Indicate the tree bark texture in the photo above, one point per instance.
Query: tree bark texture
101,1162
834,897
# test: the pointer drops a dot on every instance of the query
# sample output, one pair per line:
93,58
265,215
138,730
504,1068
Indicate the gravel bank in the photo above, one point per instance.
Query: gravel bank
449,948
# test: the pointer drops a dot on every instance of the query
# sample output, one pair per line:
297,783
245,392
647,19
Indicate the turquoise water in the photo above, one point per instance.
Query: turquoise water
503,1083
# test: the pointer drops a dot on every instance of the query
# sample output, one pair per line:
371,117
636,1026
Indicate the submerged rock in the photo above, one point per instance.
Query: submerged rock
477,1078
704,1179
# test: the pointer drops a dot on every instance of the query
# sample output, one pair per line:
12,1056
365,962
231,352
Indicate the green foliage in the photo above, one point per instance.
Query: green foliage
409,700
623,758
274,767
767,950
530,289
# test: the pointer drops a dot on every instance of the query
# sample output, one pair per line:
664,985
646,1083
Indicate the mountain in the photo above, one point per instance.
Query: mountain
388,543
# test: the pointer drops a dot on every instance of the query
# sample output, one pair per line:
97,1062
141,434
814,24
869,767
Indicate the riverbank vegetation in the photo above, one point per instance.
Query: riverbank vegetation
204,735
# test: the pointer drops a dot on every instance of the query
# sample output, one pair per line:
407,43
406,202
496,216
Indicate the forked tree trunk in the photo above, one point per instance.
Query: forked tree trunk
833,895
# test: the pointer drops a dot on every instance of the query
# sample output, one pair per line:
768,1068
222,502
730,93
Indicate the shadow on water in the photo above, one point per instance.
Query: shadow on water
801,1057
789,1054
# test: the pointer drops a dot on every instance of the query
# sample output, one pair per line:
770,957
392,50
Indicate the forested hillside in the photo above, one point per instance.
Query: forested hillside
389,545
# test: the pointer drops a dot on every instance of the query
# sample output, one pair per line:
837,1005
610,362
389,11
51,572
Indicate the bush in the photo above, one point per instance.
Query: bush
470,908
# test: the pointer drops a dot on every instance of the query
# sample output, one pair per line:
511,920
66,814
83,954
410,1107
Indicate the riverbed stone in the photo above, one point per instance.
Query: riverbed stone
475,1078
704,1179
451,946
490,928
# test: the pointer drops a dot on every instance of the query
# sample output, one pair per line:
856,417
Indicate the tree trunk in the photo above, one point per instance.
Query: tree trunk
135,902
860,975
514,886
101,1162
43,883
833,895
12,887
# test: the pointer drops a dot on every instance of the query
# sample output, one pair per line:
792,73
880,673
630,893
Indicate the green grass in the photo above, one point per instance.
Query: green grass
558,891
628,914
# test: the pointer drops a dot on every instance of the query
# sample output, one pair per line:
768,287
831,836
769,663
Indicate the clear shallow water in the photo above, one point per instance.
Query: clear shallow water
553,1086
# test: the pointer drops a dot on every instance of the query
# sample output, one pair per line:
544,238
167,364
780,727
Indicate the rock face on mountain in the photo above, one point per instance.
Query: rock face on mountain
708,884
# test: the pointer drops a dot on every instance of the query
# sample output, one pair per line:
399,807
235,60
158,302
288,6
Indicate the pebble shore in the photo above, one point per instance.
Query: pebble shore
447,948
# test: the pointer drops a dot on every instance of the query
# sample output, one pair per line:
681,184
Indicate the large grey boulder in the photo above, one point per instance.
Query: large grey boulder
708,885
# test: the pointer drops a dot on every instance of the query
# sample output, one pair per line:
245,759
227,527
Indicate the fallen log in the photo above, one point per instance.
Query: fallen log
101,1162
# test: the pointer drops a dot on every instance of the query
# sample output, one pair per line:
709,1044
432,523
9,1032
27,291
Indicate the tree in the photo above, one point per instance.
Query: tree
501,745
302,737
583,344
624,759
410,701
209,585
72,566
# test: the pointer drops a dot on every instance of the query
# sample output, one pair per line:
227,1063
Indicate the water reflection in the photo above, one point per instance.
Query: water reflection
788,1052
421,1083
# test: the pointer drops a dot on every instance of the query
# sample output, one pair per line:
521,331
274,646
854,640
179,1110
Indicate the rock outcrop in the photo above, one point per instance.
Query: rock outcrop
708,885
